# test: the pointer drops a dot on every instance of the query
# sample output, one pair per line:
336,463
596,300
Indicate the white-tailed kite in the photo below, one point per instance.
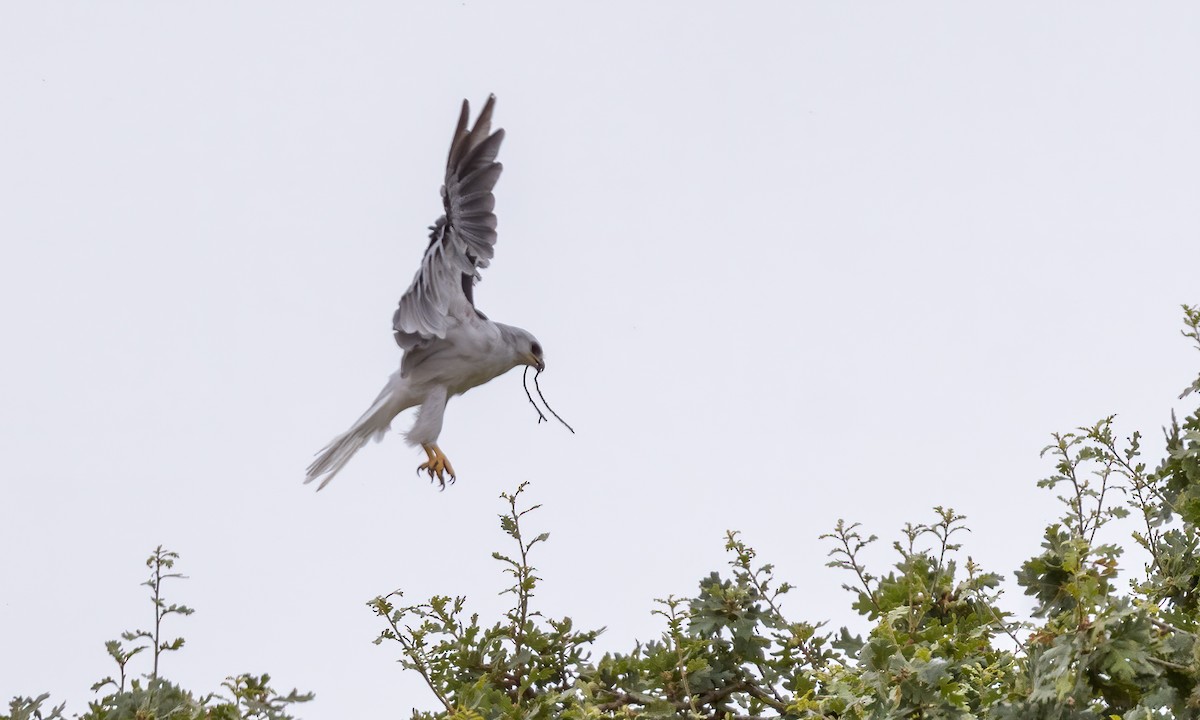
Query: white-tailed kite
449,346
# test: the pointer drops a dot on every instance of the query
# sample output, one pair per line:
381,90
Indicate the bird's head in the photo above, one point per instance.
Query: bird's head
531,354
525,348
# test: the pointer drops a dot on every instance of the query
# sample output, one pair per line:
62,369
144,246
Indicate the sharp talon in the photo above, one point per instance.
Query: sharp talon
438,466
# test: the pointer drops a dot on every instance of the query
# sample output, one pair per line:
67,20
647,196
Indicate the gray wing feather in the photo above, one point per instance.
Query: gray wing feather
461,241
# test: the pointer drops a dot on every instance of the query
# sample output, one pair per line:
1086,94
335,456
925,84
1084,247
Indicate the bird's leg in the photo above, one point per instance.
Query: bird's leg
437,465
429,464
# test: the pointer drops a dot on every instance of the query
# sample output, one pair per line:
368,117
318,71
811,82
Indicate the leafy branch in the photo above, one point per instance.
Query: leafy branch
251,698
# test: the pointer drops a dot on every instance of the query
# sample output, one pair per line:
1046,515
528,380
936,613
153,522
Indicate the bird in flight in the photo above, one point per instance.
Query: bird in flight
449,346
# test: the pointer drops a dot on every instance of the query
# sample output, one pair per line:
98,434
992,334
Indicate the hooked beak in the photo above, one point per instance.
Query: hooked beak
539,365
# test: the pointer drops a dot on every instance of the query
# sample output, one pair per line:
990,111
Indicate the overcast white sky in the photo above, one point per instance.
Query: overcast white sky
790,263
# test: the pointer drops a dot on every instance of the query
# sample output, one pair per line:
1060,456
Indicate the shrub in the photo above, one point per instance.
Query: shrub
247,697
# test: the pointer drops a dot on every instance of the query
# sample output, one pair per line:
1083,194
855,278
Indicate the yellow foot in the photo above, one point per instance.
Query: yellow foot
438,465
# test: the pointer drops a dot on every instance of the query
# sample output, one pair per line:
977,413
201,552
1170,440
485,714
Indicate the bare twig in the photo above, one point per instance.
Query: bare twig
525,384
1169,664
1163,625
543,397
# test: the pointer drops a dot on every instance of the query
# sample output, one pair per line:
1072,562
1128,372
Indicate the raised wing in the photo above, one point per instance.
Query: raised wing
461,241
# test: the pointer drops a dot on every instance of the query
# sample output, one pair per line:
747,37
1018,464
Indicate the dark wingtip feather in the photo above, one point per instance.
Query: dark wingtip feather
460,133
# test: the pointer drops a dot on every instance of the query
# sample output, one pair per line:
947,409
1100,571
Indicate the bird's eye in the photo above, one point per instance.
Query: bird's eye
536,349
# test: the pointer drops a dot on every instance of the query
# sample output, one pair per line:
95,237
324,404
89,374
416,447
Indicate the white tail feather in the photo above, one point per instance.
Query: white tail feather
373,424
